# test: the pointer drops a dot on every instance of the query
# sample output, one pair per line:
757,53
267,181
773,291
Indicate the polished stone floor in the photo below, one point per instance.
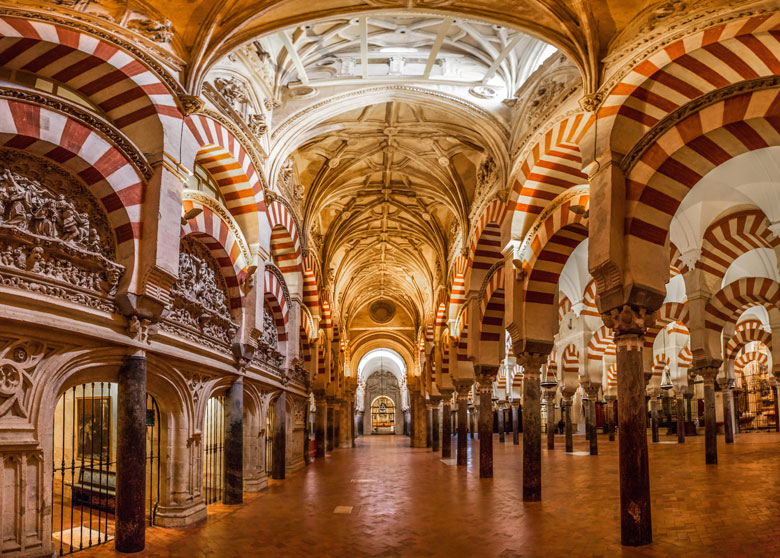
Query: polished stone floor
406,502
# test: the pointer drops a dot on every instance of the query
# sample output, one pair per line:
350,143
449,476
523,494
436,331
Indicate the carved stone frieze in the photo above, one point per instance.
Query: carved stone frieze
54,237
199,299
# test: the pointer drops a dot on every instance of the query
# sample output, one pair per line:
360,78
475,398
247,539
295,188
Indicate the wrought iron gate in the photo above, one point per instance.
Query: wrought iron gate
754,400
213,450
84,476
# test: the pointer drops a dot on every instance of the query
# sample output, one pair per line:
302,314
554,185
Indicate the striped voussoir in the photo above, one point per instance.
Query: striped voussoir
570,360
130,95
321,371
517,378
553,165
689,68
729,302
458,288
747,357
730,237
486,240
684,154
669,312
445,358
660,361
285,243
676,264
209,228
564,307
232,168
108,175
552,360
747,331
685,357
274,297
463,339
601,344
441,315
589,306
305,345
311,291
327,322
492,309
612,375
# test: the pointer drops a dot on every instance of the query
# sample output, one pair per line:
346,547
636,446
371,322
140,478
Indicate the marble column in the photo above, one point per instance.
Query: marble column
777,408
472,421
485,376
233,452
654,417
728,416
710,426
549,398
611,417
446,424
435,423
338,412
419,420
331,401
635,519
515,407
566,401
680,419
345,416
667,407
532,427
278,467
429,425
361,418
463,387
501,425
130,530
320,422
354,415
592,391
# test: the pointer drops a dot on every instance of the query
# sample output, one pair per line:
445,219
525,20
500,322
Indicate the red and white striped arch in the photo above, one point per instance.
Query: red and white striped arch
553,166
601,344
274,297
730,237
108,175
746,332
570,360
458,288
685,358
307,326
564,307
231,166
729,302
660,361
684,154
285,243
492,309
486,240
747,357
676,264
687,69
668,313
311,289
612,376
131,96
589,306
209,228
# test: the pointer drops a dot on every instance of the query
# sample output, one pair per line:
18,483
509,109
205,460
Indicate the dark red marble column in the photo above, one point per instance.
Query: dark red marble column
680,419
515,405
446,425
462,387
279,456
320,422
485,377
710,426
233,452
635,520
131,455
532,427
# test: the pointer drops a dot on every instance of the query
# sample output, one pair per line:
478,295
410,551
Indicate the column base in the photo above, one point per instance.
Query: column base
256,484
177,517
295,465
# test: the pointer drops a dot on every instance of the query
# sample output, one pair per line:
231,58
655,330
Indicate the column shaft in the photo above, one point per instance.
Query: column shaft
446,428
131,455
532,433
501,426
550,399
654,418
680,420
594,438
280,437
320,425
728,417
329,425
233,452
515,425
611,418
568,427
485,429
435,428
710,427
462,429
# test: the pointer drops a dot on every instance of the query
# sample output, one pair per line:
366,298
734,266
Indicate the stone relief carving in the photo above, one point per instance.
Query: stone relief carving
18,359
487,177
235,93
54,238
232,90
199,296
159,31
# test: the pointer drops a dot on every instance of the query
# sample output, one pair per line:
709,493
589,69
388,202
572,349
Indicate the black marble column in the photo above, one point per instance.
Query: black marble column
446,425
320,423
611,419
594,431
515,423
680,420
501,425
329,424
278,466
472,421
462,450
532,428
710,425
435,424
567,425
130,516
485,378
728,417
233,452
549,398
635,520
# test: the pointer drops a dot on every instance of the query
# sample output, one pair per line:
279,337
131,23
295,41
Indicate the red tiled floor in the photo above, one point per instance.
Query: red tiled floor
410,504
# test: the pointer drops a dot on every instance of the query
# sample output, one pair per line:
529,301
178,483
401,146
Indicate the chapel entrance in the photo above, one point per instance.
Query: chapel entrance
383,416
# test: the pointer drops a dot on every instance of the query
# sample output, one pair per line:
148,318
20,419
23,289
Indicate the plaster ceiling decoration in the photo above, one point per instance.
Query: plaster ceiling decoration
382,311
476,60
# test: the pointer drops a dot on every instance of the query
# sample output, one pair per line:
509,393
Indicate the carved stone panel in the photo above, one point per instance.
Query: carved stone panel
54,237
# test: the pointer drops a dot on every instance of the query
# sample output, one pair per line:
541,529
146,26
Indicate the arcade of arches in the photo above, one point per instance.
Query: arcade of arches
237,237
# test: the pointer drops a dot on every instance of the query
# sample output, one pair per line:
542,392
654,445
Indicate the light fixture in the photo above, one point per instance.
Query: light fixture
666,379
549,381
191,214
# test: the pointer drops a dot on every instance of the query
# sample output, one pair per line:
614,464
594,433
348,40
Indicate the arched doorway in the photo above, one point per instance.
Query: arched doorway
84,472
383,415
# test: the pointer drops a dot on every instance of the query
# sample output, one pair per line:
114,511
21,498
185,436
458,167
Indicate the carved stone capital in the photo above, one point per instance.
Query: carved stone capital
591,389
592,102
709,371
190,104
628,320
532,364
463,386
